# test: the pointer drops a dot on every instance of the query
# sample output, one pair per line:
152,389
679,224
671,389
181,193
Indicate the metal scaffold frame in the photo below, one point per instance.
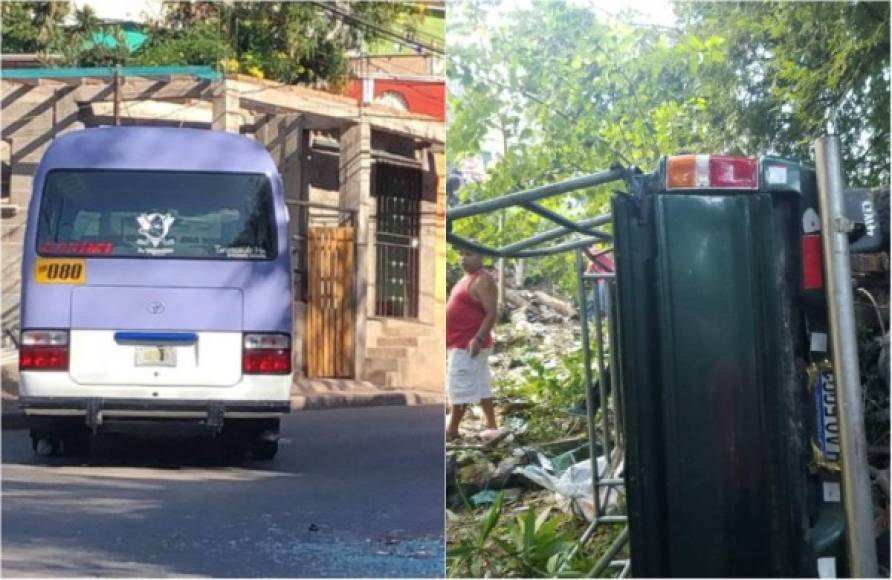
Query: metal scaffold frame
586,235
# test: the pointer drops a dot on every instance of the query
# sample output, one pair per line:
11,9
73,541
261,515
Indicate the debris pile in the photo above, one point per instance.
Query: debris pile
537,325
540,461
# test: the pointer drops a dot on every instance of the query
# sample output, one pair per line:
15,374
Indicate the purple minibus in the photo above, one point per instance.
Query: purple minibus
156,288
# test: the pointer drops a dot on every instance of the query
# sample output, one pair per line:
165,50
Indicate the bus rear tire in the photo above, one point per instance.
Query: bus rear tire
263,450
264,435
77,443
73,442
45,444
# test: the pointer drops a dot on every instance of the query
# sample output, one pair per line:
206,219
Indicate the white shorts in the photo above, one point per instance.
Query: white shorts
468,378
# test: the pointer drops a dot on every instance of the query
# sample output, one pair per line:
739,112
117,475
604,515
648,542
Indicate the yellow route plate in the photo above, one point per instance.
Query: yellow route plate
60,271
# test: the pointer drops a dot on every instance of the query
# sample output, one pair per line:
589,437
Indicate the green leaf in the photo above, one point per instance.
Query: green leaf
491,518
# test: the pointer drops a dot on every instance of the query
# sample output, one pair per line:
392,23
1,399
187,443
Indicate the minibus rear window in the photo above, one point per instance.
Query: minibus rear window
153,214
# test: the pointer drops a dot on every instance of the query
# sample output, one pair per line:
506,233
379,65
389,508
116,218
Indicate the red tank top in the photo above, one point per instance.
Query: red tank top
464,315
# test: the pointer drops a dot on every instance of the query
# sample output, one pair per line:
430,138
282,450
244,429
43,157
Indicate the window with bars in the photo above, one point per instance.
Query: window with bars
398,192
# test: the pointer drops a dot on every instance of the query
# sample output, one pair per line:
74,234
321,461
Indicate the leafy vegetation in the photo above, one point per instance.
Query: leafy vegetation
537,380
534,543
568,92
291,42
797,70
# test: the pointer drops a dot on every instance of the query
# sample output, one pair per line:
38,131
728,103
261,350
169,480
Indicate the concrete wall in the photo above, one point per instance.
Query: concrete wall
416,345
33,116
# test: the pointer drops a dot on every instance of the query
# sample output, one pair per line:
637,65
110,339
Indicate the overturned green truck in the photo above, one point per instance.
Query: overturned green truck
724,374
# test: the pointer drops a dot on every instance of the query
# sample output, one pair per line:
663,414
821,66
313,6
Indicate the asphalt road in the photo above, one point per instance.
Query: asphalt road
352,492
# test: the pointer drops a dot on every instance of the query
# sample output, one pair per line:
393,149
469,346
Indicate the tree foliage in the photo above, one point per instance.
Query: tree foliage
286,41
291,42
572,93
29,27
798,70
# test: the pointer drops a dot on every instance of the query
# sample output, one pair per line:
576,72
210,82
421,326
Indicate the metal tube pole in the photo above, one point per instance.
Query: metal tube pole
612,551
587,374
476,247
564,221
856,497
586,535
557,233
600,276
557,248
540,192
614,361
602,381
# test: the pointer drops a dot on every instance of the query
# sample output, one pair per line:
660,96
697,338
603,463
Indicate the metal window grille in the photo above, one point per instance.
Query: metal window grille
398,223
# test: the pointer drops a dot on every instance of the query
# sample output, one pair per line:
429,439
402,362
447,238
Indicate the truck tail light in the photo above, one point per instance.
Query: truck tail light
812,269
711,172
43,350
266,354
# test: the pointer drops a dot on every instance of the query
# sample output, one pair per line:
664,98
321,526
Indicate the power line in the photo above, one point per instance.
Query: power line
379,29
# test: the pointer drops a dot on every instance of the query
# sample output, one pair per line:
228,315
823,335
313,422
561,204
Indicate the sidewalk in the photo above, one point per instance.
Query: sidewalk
13,418
306,395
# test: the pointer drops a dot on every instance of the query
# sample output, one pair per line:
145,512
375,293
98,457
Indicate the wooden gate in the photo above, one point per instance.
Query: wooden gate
328,343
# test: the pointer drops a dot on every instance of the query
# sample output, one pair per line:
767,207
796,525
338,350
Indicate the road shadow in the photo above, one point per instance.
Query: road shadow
352,493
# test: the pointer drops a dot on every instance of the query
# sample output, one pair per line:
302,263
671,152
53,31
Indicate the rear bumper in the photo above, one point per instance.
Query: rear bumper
118,413
55,395
60,386
61,406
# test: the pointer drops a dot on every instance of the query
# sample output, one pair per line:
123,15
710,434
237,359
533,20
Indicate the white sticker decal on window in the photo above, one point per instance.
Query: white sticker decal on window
154,228
241,251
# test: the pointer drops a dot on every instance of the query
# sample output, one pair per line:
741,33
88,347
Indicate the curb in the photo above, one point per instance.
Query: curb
374,399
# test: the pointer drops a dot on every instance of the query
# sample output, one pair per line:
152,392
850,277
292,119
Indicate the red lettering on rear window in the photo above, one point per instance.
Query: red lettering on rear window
77,248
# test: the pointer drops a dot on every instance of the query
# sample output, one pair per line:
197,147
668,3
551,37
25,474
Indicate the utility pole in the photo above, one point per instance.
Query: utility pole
835,227
500,266
501,263
117,106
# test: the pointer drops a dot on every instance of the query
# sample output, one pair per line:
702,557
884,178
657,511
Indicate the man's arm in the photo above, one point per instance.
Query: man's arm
484,290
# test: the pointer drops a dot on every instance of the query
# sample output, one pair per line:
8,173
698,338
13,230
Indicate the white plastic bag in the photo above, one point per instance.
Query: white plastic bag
574,486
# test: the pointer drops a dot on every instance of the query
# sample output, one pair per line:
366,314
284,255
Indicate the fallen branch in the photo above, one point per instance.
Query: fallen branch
559,306
513,298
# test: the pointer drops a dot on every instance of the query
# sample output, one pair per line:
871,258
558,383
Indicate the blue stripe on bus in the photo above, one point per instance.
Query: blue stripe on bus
156,337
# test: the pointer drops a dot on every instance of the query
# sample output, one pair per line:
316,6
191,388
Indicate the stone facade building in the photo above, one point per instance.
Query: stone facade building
369,180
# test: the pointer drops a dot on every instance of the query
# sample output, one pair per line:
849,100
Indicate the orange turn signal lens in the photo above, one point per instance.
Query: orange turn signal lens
711,172
681,172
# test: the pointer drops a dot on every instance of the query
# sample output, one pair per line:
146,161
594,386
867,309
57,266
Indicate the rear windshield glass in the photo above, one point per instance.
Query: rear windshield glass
146,214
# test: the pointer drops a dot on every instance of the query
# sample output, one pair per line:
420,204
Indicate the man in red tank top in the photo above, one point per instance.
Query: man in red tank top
470,315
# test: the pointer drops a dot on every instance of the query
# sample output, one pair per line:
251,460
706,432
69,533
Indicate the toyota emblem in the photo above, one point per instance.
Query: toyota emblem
155,307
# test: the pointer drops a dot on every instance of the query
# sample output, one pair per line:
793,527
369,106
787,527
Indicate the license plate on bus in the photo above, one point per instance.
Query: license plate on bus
156,356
